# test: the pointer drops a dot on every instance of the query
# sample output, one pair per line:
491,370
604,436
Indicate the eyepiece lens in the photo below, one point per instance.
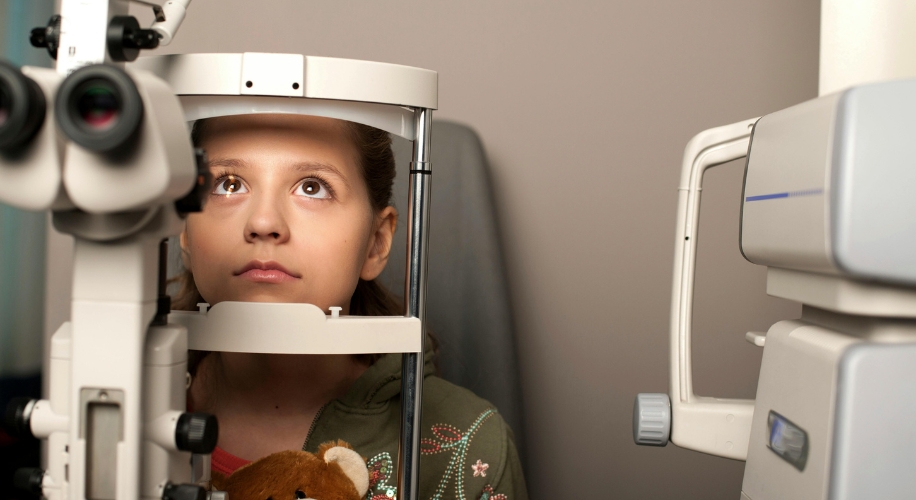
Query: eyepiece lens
5,104
98,106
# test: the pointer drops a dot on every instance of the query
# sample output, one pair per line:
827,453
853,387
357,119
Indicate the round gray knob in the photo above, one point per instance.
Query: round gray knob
652,419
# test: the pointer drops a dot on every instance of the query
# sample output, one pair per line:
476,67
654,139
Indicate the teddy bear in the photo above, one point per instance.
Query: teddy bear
336,472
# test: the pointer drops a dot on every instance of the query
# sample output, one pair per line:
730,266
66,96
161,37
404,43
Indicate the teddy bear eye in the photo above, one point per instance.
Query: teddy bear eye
300,494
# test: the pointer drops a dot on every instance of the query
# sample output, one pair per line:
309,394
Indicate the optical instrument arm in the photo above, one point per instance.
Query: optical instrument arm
169,18
709,425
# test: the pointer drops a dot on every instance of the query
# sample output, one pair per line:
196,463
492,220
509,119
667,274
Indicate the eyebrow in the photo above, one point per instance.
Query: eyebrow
305,166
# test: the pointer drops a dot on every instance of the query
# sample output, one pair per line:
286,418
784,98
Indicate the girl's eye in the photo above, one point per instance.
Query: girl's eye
300,494
229,185
313,188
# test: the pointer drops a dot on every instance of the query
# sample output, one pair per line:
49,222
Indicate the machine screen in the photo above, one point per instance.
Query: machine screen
787,440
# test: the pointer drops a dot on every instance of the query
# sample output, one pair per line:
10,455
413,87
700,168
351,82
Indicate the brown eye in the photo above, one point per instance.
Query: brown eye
300,494
313,188
230,185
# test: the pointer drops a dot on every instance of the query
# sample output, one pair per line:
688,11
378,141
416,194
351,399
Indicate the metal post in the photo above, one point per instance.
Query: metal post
415,293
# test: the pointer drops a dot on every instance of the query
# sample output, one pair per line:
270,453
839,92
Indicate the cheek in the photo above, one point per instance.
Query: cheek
335,245
207,243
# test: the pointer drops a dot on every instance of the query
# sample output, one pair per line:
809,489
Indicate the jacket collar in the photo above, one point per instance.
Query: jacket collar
381,382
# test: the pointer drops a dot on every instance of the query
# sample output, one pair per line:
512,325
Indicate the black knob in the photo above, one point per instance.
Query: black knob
22,108
197,433
184,492
28,479
16,418
126,38
194,201
47,37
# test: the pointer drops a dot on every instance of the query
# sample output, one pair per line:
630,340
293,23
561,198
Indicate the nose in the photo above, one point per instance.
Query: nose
266,222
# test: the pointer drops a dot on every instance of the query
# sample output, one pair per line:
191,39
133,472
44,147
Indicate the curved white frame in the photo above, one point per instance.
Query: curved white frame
710,425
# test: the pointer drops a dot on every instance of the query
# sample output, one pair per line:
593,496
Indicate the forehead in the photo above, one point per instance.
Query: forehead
256,138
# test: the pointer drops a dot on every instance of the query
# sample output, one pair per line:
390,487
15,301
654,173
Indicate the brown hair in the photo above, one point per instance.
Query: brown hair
376,159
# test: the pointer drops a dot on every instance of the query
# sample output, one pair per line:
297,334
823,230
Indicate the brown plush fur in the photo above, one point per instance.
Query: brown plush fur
279,476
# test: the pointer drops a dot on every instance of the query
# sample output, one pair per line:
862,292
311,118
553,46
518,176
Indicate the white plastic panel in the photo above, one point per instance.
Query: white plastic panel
864,42
836,293
393,119
875,445
324,77
798,377
261,327
829,186
353,80
874,228
785,208
83,29
272,74
197,74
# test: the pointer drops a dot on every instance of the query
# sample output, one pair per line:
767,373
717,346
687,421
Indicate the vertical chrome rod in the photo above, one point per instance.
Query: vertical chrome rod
415,294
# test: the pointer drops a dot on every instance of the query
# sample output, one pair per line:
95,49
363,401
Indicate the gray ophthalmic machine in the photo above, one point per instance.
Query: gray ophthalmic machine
828,207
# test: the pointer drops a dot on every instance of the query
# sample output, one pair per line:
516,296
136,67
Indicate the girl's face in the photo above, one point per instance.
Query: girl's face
288,218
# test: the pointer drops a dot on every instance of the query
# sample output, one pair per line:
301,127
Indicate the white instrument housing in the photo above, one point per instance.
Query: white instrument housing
32,178
371,93
159,168
829,186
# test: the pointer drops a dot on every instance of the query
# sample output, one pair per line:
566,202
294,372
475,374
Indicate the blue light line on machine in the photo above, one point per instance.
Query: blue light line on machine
787,194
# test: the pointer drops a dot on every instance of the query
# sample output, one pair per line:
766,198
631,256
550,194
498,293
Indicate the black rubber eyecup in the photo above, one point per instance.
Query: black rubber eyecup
99,108
22,108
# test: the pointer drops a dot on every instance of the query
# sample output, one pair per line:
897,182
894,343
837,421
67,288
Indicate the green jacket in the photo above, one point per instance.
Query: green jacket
467,451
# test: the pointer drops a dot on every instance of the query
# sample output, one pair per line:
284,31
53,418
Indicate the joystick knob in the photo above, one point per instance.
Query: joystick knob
652,419
29,480
184,492
16,419
197,433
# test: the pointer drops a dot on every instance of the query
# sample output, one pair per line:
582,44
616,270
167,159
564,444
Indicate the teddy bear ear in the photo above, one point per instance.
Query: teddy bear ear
353,466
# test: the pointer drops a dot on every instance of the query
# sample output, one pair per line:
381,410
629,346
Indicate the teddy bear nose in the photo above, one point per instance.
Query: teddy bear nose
300,494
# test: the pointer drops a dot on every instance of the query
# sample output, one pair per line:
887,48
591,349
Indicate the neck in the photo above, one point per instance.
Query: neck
288,384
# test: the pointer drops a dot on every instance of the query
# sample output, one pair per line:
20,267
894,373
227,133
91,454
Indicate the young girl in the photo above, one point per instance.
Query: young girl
299,212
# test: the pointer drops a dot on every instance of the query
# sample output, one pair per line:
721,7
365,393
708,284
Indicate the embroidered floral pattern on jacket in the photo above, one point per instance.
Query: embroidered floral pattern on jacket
489,494
450,439
380,469
480,468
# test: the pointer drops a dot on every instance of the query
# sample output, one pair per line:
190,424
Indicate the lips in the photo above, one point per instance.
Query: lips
266,272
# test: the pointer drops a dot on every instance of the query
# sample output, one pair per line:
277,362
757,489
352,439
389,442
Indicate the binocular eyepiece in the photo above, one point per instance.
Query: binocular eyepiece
99,108
115,141
22,108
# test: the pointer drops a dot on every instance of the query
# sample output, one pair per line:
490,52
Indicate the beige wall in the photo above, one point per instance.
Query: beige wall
585,108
